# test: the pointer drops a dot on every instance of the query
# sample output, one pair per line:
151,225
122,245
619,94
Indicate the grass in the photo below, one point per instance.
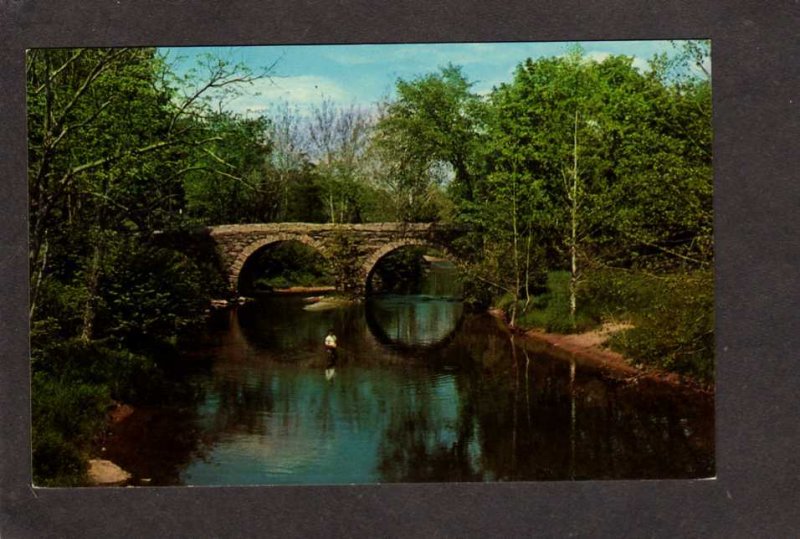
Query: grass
549,310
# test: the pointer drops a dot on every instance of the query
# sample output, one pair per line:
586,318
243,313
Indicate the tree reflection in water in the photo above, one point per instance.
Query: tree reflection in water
402,406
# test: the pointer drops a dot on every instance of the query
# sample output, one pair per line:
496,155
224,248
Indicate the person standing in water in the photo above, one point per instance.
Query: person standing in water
330,347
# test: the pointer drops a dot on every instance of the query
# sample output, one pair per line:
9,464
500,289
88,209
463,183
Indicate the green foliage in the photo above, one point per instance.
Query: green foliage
73,385
550,308
672,315
270,283
151,292
672,318
66,417
400,271
57,462
287,264
572,159
61,316
197,248
110,140
428,134
124,375
230,180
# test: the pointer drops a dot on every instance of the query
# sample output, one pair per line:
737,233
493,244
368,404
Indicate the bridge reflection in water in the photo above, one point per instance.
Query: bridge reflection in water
423,392
410,322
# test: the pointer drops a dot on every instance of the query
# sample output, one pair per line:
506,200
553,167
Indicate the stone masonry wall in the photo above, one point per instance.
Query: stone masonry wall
236,243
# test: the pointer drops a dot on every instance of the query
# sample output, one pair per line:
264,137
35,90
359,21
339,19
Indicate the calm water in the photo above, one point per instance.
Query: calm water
422,391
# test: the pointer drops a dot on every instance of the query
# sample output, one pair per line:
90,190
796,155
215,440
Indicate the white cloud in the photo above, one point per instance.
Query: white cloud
428,54
599,56
641,64
301,90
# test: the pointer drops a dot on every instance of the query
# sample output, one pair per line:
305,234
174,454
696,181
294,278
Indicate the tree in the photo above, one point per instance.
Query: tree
659,206
614,161
107,127
413,186
434,121
537,171
231,178
338,139
112,135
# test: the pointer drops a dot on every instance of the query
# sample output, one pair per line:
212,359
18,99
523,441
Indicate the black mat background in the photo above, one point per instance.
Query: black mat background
755,63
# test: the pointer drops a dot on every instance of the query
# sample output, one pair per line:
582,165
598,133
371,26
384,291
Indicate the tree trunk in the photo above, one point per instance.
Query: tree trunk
573,247
527,272
92,280
37,283
516,249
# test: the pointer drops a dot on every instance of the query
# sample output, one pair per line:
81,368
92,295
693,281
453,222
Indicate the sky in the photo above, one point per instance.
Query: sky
362,75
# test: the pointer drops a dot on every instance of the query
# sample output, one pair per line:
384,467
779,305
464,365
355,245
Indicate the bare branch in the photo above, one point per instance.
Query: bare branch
138,151
218,159
55,73
98,69
84,123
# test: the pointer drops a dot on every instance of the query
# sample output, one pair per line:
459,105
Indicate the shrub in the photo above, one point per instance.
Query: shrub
125,375
400,271
550,308
74,383
672,317
65,417
675,331
476,295
155,292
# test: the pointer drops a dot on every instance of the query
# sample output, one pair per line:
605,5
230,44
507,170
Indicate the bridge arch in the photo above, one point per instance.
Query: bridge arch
371,261
251,248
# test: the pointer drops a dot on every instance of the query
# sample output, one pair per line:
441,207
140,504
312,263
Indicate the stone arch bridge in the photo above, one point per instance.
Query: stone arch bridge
368,243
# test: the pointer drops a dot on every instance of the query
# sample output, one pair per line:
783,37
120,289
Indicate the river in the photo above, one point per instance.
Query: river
422,391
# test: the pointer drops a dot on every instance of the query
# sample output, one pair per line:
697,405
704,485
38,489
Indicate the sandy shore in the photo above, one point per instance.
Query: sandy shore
589,348
589,345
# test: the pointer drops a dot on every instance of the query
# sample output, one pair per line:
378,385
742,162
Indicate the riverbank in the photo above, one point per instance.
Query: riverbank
589,348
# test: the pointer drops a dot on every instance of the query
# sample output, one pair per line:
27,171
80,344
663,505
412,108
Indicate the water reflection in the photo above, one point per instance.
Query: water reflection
421,392
408,322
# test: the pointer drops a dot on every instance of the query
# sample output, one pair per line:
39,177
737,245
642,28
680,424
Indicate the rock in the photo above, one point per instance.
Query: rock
219,303
120,412
497,313
105,472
